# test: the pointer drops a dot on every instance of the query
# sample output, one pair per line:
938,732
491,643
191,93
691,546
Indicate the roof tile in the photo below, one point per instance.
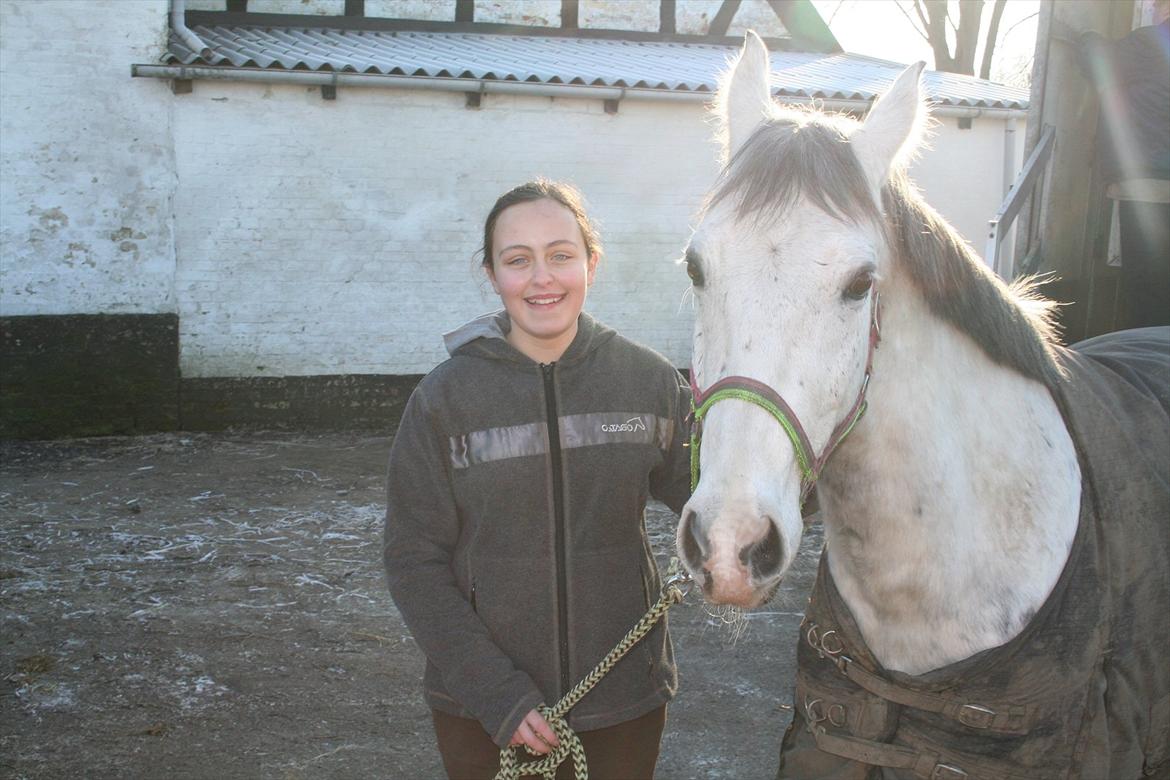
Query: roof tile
658,65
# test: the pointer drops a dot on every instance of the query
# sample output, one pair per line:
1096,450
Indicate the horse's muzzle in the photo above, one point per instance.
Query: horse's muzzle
744,577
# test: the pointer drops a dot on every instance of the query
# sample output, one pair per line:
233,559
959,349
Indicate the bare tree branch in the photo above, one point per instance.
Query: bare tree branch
833,15
936,14
934,23
967,36
921,31
923,15
992,39
1008,31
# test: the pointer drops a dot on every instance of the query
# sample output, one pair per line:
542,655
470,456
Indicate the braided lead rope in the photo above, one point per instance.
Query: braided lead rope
674,591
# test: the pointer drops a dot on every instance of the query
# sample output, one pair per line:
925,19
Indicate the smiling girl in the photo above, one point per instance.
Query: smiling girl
515,541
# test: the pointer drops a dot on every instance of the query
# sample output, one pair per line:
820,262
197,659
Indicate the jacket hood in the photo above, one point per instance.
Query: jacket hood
493,325
486,336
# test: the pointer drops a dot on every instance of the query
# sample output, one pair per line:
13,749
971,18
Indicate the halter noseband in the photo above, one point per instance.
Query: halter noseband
760,394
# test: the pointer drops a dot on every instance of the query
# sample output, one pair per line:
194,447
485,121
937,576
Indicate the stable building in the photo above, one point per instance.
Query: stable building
224,212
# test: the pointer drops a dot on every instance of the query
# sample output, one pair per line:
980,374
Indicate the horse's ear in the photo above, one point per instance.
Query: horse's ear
893,128
744,97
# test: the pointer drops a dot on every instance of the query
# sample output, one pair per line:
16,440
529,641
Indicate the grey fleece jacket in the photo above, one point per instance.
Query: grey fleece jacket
516,551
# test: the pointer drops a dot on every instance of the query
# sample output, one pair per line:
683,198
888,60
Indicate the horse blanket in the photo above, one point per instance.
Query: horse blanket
1084,690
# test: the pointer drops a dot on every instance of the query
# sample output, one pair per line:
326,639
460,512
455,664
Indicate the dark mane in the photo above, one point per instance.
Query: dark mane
805,153
1012,323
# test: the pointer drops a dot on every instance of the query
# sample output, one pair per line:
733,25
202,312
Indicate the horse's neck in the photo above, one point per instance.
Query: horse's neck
950,512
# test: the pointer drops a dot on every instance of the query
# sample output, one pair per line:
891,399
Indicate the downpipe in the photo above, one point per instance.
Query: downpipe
179,25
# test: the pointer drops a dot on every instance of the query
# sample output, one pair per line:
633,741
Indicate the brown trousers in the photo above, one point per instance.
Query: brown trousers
627,751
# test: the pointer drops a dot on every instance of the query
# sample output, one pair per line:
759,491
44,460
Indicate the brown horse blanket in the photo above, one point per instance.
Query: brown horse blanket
1084,690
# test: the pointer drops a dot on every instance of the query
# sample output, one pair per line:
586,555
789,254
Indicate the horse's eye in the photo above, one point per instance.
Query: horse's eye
695,268
860,286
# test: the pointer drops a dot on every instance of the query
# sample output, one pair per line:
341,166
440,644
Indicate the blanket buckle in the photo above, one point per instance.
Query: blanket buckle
976,716
947,772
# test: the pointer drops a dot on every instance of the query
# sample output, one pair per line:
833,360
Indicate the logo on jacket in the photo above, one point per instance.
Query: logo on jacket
630,425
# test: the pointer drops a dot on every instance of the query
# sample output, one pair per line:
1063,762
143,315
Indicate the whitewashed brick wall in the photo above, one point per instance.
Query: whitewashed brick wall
322,237
87,169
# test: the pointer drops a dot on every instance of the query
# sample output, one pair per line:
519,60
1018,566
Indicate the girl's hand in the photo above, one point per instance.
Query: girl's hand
535,732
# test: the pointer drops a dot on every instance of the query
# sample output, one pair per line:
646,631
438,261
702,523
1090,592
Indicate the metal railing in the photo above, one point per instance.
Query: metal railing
1001,223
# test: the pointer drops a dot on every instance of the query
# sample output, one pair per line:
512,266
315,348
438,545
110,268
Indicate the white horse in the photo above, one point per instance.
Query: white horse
950,507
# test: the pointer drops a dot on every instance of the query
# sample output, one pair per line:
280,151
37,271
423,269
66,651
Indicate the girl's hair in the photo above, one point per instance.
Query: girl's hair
540,189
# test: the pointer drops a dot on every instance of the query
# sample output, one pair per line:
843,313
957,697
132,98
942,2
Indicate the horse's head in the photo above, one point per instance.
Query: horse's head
785,264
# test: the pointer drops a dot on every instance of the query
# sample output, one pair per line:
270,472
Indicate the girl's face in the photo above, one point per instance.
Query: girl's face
542,272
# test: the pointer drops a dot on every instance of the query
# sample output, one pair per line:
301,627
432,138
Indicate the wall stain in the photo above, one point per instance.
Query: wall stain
79,252
52,220
125,233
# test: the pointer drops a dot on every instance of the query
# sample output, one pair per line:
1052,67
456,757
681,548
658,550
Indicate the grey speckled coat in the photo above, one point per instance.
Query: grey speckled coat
517,551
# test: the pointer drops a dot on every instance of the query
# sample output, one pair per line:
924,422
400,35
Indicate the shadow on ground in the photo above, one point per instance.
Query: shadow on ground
212,606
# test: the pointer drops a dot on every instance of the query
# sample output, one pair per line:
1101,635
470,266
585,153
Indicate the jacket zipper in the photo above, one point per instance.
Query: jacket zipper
554,442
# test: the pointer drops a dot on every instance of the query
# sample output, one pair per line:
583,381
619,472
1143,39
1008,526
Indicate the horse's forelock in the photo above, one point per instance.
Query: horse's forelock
795,154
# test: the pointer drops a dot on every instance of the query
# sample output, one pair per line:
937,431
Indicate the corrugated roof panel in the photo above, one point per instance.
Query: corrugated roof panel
660,65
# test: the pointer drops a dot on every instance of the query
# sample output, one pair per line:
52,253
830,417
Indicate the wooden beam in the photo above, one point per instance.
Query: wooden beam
666,22
355,7
723,18
465,10
377,23
237,6
569,15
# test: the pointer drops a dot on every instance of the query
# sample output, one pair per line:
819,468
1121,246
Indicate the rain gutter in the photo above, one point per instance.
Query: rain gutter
500,87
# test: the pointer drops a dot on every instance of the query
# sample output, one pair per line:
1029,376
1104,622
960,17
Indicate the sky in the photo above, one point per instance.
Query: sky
879,29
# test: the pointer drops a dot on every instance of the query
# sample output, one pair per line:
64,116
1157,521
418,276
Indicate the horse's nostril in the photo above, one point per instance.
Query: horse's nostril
765,556
694,541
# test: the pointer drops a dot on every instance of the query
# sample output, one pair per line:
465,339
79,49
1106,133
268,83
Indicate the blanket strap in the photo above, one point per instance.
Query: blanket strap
1004,720
925,764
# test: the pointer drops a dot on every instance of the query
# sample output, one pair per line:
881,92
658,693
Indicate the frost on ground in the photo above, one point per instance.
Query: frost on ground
213,606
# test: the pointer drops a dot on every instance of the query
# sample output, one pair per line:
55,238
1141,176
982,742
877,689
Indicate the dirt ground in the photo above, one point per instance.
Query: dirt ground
213,606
